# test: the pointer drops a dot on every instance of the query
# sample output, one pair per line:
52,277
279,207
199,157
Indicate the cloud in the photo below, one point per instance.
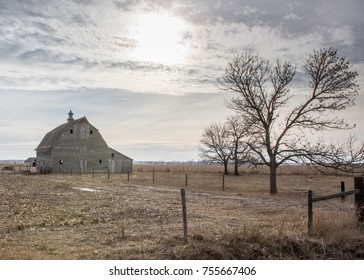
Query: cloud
79,54
75,34
125,42
126,5
288,20
38,55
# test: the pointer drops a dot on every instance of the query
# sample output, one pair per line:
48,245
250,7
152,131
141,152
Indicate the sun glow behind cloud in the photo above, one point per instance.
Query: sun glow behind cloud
159,39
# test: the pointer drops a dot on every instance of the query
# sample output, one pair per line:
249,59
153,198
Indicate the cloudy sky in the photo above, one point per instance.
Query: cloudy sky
144,72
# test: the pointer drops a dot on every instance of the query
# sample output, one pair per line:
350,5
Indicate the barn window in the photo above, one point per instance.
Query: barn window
91,131
71,130
60,161
112,155
100,160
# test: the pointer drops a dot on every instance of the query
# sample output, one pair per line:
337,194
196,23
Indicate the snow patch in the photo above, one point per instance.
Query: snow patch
87,190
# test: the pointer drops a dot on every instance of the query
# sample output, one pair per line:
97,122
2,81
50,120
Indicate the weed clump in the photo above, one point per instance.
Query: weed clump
259,246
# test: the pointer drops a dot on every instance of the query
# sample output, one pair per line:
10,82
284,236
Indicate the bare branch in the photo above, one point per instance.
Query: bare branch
347,156
334,88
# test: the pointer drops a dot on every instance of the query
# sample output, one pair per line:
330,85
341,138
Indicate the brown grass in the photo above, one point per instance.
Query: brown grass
80,217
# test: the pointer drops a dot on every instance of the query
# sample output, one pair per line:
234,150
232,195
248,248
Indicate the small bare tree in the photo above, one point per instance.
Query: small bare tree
223,143
215,145
240,152
263,91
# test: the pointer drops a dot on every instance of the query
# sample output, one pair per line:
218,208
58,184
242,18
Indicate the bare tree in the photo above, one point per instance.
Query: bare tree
263,92
223,143
215,145
240,152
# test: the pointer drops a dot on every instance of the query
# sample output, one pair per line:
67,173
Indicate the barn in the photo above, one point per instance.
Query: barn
77,146
30,162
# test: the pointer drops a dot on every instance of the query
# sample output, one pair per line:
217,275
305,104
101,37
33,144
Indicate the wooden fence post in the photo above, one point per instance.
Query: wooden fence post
310,212
186,181
128,175
359,198
342,190
223,182
153,176
184,212
108,173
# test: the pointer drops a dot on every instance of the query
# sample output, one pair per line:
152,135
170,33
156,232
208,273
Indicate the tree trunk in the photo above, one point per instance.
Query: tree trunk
236,159
236,167
225,168
273,179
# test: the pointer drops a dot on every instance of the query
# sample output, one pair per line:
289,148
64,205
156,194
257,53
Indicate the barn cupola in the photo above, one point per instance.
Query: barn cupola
70,116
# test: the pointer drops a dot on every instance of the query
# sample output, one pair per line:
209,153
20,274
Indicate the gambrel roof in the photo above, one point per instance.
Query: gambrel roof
50,139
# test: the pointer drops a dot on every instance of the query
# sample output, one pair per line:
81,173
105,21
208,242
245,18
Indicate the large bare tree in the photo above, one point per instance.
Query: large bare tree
263,97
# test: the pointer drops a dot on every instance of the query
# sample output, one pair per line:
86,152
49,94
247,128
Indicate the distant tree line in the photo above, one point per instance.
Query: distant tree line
173,162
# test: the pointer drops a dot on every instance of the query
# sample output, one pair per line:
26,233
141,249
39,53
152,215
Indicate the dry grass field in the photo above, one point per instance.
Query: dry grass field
60,216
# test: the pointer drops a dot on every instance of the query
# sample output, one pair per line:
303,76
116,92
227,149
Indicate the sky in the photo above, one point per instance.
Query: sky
145,72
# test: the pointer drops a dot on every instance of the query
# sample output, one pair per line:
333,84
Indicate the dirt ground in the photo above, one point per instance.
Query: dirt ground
86,217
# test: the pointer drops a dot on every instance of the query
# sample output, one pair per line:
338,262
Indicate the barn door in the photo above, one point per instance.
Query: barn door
112,165
83,165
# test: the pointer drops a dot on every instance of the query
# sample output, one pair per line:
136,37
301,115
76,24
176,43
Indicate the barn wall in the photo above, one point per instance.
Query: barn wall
44,160
118,163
